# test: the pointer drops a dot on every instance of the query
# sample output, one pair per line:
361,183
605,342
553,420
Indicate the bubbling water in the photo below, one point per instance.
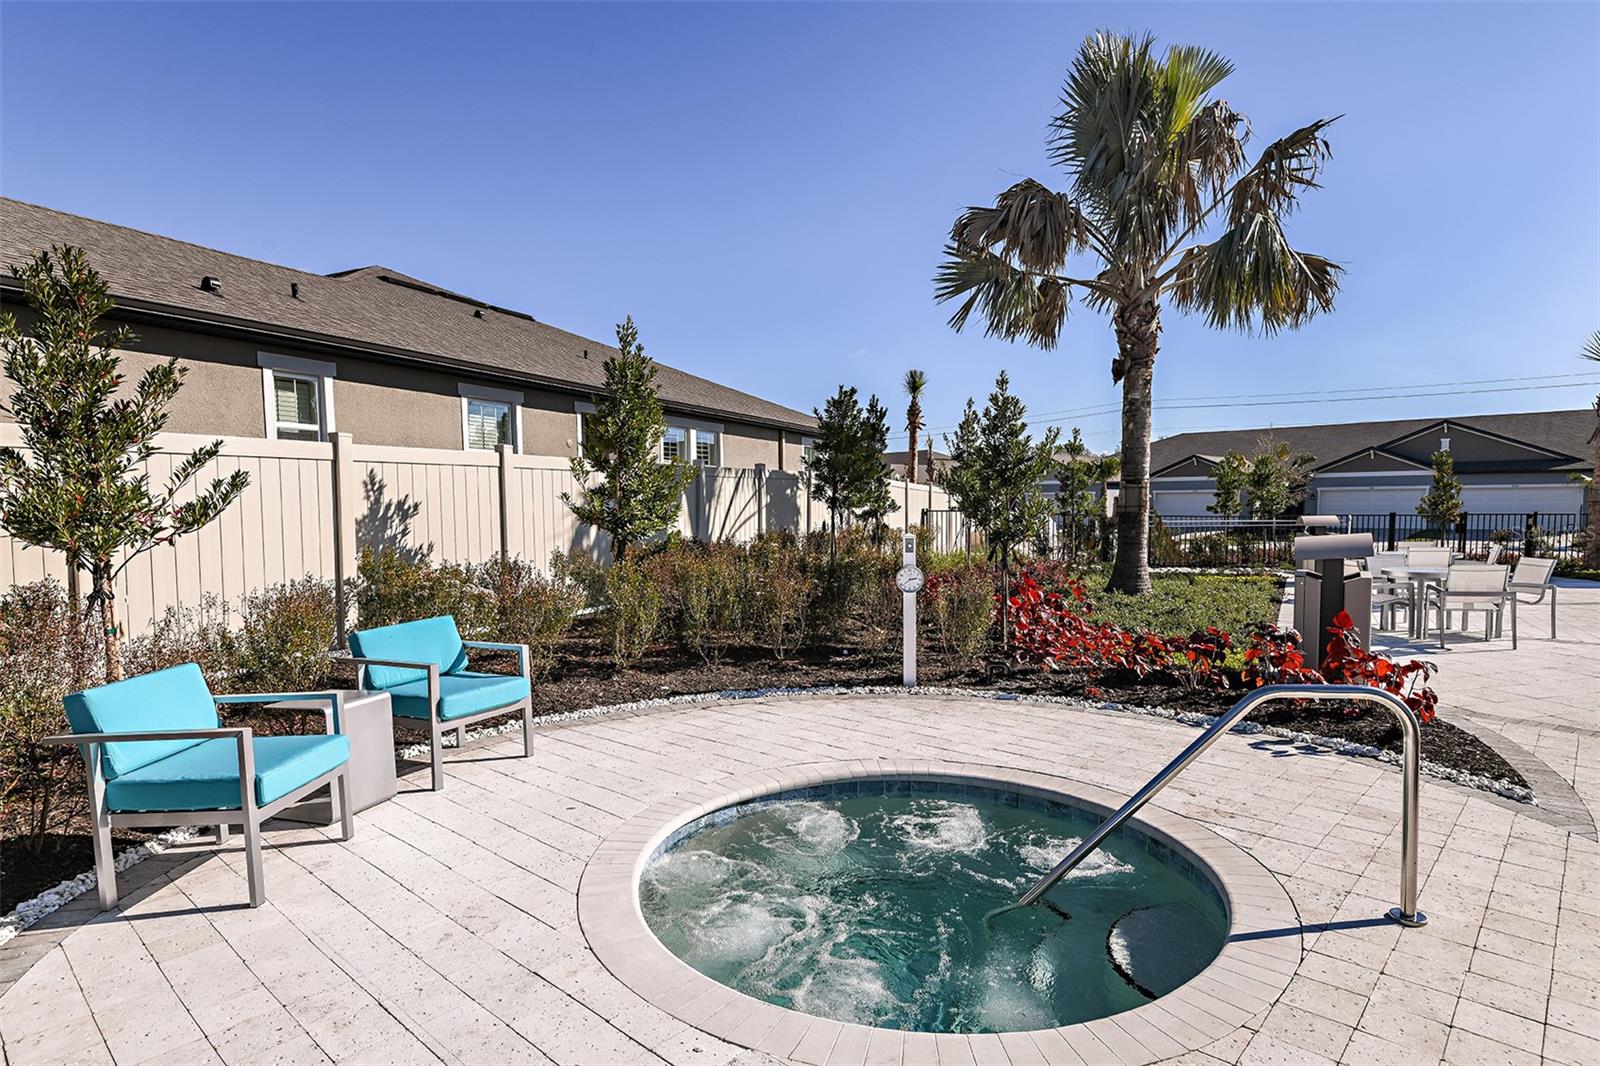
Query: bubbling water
869,909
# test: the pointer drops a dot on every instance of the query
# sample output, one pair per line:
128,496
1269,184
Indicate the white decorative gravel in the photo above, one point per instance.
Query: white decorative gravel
30,911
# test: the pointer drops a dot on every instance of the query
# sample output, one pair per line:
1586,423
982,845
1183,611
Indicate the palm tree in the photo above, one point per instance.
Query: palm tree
915,382
1157,167
1591,555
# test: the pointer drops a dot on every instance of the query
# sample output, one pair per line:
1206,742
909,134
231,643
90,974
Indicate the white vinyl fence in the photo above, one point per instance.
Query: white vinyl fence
311,507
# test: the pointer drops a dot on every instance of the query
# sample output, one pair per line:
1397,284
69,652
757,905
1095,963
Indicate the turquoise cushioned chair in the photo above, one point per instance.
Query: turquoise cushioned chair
422,665
157,755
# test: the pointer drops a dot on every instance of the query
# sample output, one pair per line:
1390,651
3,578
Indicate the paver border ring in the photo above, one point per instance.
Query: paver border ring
1260,956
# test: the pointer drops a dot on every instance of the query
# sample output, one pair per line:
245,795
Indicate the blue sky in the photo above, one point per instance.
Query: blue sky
766,188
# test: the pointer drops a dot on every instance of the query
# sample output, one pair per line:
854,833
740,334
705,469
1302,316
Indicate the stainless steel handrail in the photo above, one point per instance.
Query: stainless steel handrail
1410,794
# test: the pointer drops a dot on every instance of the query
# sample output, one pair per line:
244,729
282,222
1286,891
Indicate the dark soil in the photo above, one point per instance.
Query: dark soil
61,857
583,676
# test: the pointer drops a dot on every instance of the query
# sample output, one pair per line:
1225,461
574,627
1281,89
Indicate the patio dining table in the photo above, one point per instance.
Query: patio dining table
1418,577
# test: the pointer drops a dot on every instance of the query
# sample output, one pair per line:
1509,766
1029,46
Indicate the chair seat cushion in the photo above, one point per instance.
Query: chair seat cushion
460,694
206,776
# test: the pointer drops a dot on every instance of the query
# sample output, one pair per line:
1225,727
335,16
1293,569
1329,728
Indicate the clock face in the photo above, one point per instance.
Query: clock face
908,579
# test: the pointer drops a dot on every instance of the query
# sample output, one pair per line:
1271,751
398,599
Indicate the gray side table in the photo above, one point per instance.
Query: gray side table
366,719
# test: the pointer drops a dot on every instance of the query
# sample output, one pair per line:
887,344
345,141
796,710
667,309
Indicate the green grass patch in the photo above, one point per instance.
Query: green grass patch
1183,603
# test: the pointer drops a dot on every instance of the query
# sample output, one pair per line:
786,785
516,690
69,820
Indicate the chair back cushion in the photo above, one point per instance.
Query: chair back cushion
428,640
1531,571
1423,556
175,698
1489,580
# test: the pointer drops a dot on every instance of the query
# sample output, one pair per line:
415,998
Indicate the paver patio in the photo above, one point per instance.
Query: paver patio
447,930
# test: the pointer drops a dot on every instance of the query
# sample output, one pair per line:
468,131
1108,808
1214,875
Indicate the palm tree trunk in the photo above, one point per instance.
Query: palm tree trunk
1138,338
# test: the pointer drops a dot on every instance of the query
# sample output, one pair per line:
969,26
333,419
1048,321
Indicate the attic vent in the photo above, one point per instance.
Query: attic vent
1444,444
211,284
478,313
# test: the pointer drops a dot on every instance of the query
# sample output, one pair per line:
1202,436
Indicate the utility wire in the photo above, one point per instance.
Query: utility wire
1362,391
1328,396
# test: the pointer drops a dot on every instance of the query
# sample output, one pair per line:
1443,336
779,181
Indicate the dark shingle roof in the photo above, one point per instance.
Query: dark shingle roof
1566,432
371,307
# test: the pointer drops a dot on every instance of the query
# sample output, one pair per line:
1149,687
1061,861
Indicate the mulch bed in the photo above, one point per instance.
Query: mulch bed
583,676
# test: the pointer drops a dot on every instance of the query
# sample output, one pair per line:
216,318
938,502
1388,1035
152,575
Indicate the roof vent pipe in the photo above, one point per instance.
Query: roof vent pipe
211,284
294,290
478,313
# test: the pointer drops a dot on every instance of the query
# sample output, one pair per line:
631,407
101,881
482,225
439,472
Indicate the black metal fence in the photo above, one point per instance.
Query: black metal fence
1542,533
1210,541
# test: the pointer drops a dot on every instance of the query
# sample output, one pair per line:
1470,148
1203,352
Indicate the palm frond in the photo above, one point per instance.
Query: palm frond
1206,155
1102,132
1249,279
1591,347
915,382
1287,167
1034,225
1012,302
1188,75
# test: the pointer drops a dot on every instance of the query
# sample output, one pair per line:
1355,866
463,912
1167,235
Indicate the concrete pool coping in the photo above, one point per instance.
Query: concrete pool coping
1257,961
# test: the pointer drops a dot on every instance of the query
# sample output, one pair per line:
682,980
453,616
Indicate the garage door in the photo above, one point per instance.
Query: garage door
1520,499
1174,503
1368,500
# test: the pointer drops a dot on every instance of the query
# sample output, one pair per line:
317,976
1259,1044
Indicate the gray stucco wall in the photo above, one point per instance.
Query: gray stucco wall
377,403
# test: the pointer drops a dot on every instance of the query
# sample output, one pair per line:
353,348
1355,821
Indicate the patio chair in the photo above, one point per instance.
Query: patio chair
1532,576
422,665
1492,557
1468,589
157,755
1419,555
1388,595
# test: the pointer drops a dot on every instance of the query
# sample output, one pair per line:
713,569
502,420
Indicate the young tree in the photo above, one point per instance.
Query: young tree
1229,478
996,467
846,468
915,382
1441,505
1276,479
995,472
78,485
874,504
637,495
1080,475
1163,208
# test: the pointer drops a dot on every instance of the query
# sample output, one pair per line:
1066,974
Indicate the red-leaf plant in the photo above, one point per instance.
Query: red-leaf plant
1346,662
1055,632
1274,657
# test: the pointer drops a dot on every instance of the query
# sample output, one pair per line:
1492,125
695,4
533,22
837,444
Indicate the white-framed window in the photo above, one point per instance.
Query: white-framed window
705,447
675,445
808,448
490,418
584,410
296,397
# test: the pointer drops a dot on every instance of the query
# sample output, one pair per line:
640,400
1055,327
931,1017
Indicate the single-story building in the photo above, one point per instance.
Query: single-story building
930,463
276,352
1507,464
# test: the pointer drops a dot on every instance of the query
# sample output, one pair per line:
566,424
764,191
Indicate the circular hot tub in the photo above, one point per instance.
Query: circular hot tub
856,898
868,900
